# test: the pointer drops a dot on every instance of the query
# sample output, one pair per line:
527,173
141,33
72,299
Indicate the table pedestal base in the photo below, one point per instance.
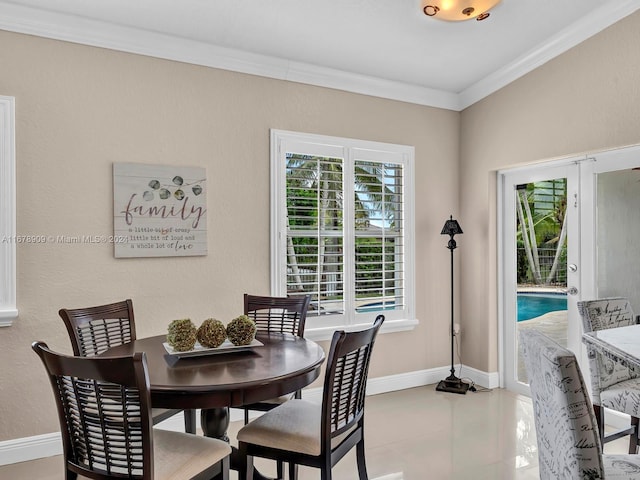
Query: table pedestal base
215,424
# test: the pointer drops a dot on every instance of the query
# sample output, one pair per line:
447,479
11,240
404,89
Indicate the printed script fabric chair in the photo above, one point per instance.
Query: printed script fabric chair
304,433
93,330
281,315
566,430
104,409
613,385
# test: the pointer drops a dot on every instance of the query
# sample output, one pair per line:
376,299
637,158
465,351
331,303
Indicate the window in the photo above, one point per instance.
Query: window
8,239
342,229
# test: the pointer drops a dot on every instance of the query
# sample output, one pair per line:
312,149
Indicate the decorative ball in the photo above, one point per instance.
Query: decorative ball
182,335
241,330
211,333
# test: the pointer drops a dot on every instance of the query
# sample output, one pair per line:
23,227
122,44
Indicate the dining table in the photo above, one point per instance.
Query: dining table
621,344
216,379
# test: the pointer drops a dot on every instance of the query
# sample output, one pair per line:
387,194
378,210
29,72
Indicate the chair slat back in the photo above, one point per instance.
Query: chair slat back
566,429
346,380
278,314
104,409
93,330
602,314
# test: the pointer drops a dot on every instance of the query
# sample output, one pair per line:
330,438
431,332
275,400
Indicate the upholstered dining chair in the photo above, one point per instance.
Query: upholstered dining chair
280,315
566,429
92,330
613,385
104,410
300,432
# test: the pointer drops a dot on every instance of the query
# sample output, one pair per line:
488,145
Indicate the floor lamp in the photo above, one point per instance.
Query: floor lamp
452,383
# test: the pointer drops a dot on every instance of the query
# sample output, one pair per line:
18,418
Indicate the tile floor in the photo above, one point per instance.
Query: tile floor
416,434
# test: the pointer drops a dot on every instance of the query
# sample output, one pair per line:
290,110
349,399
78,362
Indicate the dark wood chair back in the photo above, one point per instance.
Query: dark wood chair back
92,330
285,434
104,409
345,381
278,314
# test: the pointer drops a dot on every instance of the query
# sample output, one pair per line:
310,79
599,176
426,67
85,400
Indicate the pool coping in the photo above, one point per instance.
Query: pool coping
543,290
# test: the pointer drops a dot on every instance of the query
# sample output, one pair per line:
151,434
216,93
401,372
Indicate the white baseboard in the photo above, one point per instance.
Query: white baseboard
47,445
30,448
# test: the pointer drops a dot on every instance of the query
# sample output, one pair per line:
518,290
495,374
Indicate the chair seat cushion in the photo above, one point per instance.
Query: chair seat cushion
183,455
293,426
618,467
623,397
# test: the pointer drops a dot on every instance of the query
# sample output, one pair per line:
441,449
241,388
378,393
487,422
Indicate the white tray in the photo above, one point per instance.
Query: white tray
199,350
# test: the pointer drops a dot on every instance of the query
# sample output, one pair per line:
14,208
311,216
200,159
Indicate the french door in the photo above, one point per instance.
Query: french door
610,225
540,215
602,248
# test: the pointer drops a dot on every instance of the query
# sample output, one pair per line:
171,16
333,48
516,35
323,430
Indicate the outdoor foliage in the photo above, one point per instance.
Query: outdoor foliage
542,242
316,236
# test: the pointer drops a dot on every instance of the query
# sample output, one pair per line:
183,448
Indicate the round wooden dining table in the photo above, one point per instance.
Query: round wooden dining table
214,382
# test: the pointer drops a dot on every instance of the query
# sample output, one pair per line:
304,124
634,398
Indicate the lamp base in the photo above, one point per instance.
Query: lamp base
452,384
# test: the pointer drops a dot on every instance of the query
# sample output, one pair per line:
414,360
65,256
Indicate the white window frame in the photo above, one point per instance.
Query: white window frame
8,241
322,328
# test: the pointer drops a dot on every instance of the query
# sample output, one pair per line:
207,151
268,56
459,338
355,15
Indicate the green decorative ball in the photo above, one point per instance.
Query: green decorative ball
211,333
182,335
241,330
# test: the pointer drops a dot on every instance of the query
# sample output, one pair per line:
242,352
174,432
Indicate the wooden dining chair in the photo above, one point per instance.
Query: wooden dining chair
92,330
566,429
280,315
613,385
104,410
300,432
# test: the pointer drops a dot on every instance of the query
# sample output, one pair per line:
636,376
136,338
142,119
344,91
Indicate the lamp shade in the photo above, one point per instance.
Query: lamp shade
458,10
451,227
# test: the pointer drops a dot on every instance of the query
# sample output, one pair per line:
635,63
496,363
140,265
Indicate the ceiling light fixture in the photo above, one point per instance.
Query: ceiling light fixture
458,10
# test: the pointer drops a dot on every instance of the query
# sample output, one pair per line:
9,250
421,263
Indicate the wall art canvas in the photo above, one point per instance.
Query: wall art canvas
159,210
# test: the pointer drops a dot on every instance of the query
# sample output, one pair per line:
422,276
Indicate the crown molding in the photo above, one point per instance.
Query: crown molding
83,31
69,28
586,27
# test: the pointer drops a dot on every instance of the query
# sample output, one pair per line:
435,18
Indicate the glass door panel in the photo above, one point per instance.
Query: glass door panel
602,248
541,260
539,234
618,235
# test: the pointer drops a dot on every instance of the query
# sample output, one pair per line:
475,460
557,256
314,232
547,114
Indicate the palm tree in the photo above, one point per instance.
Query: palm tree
541,225
315,202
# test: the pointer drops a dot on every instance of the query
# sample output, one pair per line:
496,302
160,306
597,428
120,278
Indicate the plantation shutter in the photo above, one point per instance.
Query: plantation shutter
342,229
315,236
379,236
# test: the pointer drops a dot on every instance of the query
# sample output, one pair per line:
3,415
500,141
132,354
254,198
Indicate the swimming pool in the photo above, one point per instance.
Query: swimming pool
531,305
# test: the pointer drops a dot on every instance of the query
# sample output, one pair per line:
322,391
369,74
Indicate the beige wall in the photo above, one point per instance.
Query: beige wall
79,109
585,100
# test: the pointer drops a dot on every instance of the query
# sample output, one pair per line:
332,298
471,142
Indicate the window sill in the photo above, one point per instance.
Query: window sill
7,316
389,326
